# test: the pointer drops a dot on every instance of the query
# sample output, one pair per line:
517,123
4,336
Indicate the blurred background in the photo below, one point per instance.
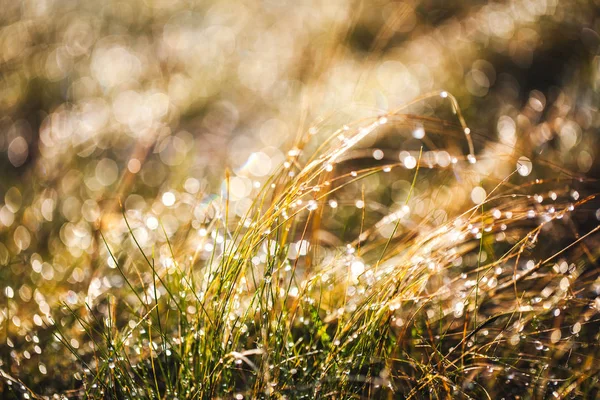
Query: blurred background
145,104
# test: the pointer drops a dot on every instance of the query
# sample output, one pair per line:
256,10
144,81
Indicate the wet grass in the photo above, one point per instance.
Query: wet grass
494,301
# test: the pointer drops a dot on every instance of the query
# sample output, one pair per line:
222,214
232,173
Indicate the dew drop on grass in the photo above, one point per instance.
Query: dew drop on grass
357,268
576,328
531,214
524,166
458,309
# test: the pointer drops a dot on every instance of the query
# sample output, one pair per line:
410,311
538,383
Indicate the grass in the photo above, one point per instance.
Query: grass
376,253
320,291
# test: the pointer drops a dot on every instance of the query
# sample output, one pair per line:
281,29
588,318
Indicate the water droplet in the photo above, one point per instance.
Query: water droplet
524,166
418,132
410,162
357,268
564,283
168,199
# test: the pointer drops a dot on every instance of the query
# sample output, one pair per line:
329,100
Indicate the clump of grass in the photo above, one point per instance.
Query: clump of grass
317,292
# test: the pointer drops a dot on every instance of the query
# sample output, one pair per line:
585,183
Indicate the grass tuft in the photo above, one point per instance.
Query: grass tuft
318,293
